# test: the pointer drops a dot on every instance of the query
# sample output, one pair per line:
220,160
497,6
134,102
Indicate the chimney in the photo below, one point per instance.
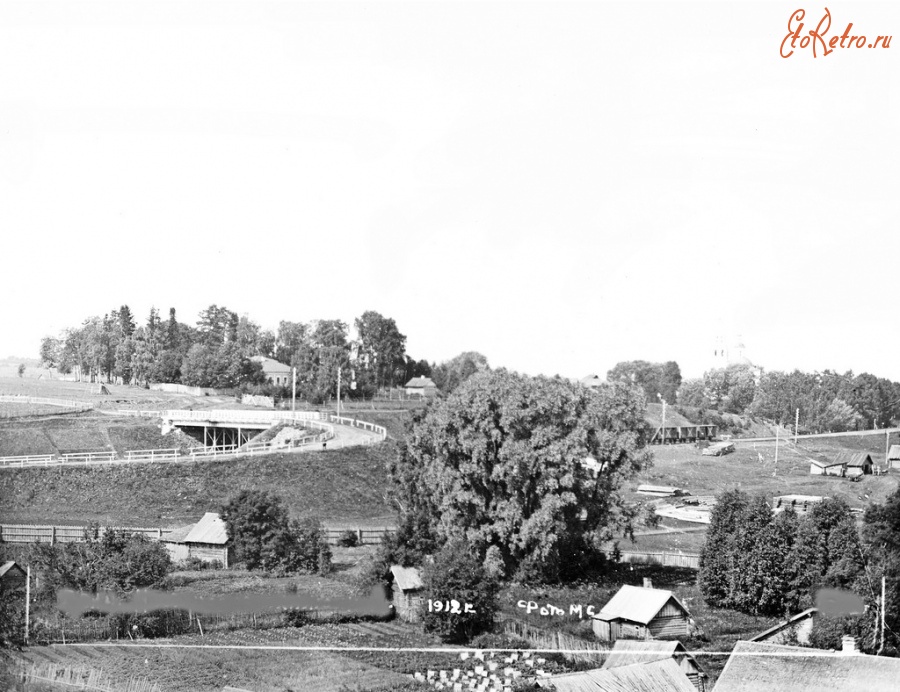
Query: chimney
647,583
848,646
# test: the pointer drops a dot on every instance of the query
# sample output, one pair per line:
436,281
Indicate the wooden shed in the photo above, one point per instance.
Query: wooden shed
856,463
421,386
641,613
206,540
893,458
12,576
801,504
406,592
832,467
626,652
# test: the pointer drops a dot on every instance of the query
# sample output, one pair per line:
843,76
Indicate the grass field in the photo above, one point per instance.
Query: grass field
339,485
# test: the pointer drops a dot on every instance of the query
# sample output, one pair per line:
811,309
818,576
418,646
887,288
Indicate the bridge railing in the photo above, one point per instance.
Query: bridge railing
152,454
353,422
241,416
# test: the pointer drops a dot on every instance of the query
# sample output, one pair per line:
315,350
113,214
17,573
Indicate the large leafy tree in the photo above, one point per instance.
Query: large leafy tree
501,462
458,574
653,378
449,375
382,348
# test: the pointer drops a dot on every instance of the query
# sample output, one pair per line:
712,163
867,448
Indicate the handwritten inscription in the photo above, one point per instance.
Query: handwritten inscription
549,609
452,606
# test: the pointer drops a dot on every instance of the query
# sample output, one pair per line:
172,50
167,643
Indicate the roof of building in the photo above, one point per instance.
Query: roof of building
657,676
653,416
591,380
178,535
420,382
854,458
210,529
407,578
637,604
271,365
808,613
759,667
825,463
894,452
8,566
626,652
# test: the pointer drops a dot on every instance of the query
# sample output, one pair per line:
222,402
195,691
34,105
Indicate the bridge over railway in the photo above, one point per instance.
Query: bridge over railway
235,427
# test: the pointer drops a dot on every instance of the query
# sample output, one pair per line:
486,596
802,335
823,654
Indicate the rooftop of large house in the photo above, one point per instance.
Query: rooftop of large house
759,667
656,676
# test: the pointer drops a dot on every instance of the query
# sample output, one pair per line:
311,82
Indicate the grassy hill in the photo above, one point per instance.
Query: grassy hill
338,485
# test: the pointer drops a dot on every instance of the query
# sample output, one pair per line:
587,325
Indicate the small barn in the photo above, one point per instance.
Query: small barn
794,630
406,592
893,459
421,386
628,652
856,463
801,504
637,612
661,676
831,467
206,540
12,576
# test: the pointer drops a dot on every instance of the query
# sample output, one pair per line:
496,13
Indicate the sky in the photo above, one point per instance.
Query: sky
560,186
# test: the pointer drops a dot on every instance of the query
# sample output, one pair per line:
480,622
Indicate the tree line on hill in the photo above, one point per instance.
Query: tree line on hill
764,564
219,352
828,401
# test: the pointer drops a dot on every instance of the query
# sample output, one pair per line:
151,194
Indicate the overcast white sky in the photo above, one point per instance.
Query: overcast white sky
559,186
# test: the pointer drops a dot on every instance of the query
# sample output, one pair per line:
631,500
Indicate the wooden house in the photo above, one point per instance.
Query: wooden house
276,373
206,540
801,504
626,652
421,386
641,613
12,576
893,457
759,667
856,463
656,676
794,630
831,467
406,592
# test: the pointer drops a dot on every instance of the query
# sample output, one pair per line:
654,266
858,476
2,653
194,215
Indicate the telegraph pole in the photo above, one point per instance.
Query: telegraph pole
27,601
339,392
294,391
775,471
796,425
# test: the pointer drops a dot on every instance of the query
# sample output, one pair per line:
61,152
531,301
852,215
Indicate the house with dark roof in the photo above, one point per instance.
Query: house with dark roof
795,629
206,540
656,676
407,592
762,667
626,652
636,612
276,373
421,386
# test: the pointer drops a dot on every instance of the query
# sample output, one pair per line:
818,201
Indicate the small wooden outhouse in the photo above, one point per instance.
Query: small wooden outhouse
407,592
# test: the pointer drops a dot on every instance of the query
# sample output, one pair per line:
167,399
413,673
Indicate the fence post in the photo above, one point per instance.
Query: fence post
52,535
359,538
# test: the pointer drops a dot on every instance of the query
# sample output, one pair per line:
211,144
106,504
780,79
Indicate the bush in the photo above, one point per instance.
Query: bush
348,539
156,623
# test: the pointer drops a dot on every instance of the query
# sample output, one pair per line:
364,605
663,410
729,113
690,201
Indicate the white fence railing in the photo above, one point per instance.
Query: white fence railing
70,405
28,460
152,454
88,457
241,416
353,422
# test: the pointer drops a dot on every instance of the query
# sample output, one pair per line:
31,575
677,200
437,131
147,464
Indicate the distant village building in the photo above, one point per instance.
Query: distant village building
761,667
893,459
406,592
206,540
855,463
627,652
421,386
801,504
276,373
656,676
660,490
830,467
641,613
794,630
12,576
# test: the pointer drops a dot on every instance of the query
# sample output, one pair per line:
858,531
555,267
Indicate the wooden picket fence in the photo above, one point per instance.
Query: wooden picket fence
82,678
570,646
689,560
